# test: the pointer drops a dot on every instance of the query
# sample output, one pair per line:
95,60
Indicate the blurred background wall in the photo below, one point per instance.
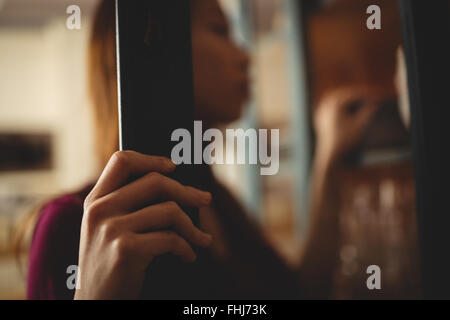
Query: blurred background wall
42,92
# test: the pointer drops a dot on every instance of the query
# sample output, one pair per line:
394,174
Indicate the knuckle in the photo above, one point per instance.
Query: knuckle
155,177
173,239
93,211
109,230
155,181
174,210
119,158
121,247
88,200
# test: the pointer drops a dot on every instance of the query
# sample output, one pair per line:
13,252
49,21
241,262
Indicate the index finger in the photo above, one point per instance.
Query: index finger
125,164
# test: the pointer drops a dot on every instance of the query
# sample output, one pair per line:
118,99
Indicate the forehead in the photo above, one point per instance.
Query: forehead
206,9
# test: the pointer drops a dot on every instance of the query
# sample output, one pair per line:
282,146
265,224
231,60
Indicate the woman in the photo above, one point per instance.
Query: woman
112,233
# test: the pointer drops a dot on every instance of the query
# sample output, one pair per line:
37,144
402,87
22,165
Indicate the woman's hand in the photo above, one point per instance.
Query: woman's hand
341,118
121,233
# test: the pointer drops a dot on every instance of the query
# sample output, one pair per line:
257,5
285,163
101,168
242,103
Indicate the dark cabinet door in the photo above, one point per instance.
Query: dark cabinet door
426,30
155,98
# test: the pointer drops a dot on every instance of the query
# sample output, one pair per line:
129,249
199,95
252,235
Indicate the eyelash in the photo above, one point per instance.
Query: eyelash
221,30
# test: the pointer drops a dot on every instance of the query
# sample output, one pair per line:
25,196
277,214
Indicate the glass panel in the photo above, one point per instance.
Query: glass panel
328,83
333,85
376,182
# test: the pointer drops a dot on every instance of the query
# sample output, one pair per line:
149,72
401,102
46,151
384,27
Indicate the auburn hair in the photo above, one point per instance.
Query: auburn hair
102,84
102,80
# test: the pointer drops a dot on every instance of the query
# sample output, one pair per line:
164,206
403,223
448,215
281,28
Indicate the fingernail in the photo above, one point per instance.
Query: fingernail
192,259
206,239
207,197
171,164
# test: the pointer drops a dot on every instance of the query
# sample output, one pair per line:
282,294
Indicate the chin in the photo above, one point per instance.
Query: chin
225,114
225,119
234,113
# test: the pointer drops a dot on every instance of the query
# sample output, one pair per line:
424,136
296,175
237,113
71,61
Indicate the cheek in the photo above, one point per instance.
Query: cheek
213,78
218,96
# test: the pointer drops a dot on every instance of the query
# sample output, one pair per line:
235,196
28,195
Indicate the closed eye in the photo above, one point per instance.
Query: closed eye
220,29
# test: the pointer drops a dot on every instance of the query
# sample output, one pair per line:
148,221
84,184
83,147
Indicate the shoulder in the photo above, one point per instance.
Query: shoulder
54,247
57,214
60,216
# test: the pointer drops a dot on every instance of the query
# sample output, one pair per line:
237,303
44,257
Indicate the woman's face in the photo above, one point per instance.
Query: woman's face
221,84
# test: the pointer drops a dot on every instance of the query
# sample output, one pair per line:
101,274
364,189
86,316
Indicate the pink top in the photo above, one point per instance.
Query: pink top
54,248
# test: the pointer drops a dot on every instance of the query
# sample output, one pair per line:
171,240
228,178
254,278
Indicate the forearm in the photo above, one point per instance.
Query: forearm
321,247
